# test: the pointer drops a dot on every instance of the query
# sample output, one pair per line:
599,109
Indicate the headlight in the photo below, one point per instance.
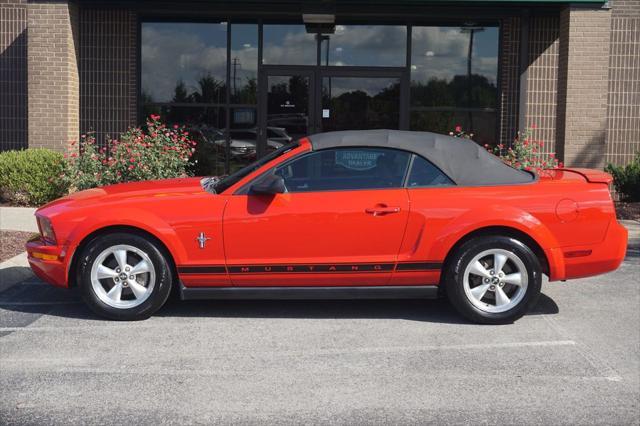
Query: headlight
46,230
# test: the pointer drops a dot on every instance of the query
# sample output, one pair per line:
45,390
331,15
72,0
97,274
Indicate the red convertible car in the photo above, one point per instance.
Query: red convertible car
355,214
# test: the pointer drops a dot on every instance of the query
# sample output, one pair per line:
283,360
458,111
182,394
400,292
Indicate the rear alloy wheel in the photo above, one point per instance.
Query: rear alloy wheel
124,276
493,280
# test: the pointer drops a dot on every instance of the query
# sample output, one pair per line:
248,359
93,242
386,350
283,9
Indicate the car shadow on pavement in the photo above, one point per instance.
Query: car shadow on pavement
37,299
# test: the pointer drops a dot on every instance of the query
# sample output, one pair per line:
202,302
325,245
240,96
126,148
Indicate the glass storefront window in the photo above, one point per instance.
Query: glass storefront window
184,62
453,79
191,75
288,45
365,45
244,64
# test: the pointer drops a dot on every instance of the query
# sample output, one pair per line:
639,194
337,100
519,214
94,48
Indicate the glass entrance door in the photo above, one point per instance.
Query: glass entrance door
360,103
287,106
297,101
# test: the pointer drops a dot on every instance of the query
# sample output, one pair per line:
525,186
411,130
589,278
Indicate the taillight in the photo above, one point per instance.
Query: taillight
46,229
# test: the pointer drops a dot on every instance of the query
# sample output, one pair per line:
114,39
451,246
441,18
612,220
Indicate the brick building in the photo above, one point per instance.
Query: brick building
250,74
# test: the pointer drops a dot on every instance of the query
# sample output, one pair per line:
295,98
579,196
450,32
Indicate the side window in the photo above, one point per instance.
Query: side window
346,169
423,173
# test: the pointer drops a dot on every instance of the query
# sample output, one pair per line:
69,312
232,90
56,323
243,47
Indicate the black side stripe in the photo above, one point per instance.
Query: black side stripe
312,268
202,270
419,266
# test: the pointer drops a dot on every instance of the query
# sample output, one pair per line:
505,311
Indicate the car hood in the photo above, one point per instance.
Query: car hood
125,191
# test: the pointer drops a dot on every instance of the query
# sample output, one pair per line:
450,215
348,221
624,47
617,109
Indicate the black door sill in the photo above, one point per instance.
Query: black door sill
292,293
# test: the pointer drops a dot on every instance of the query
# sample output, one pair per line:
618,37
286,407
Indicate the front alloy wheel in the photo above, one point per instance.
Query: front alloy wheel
124,276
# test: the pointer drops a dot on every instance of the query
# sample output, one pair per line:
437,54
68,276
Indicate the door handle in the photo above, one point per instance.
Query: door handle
381,210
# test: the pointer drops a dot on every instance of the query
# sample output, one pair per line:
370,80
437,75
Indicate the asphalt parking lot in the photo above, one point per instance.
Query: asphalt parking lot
574,360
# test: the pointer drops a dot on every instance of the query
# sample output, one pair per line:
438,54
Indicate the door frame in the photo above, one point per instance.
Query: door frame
316,73
401,73
267,71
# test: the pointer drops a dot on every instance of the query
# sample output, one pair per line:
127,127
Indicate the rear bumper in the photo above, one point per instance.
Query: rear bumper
47,262
594,259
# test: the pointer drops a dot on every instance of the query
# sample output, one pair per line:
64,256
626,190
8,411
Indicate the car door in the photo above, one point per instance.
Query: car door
340,223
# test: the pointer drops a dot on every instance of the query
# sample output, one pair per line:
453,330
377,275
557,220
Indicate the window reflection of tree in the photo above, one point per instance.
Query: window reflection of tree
356,109
440,104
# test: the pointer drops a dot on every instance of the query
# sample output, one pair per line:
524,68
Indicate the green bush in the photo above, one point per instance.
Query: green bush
626,179
31,177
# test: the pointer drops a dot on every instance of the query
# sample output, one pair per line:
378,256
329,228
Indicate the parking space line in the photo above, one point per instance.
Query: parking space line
589,355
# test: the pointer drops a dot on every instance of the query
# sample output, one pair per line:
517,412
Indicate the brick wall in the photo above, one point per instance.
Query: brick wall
623,125
53,81
509,77
542,80
13,75
582,86
627,8
108,72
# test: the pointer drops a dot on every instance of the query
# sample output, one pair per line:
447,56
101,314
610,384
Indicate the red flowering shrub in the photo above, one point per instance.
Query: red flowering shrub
159,152
525,153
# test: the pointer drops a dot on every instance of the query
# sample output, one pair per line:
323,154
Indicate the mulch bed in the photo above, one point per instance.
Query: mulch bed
12,243
628,211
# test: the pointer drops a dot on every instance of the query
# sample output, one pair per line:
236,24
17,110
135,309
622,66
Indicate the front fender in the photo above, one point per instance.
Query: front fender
127,216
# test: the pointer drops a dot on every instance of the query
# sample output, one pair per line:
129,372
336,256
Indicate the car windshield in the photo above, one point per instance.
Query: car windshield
228,181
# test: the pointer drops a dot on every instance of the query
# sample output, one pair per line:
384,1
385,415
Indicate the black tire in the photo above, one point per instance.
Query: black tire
159,292
465,254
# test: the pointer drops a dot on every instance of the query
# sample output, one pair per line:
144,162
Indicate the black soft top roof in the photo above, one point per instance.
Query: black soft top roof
464,161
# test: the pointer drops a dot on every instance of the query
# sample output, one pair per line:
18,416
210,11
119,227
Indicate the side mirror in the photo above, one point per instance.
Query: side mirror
270,184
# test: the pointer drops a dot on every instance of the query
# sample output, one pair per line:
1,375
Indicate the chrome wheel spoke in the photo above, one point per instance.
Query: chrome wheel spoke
478,269
515,279
479,291
137,289
116,292
507,290
141,267
501,297
499,261
121,258
104,272
131,285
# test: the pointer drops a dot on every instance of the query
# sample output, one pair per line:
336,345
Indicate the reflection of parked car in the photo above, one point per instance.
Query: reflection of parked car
238,148
276,136
243,141
296,123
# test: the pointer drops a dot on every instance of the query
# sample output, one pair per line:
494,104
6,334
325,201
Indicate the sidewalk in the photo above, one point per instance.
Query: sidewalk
18,219
16,269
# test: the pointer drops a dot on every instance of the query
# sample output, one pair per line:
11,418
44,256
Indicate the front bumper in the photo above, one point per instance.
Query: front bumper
47,262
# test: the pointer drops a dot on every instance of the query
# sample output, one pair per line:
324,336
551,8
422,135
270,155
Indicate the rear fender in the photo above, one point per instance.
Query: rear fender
499,216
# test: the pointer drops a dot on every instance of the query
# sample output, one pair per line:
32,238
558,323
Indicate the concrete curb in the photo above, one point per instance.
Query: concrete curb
18,219
14,270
